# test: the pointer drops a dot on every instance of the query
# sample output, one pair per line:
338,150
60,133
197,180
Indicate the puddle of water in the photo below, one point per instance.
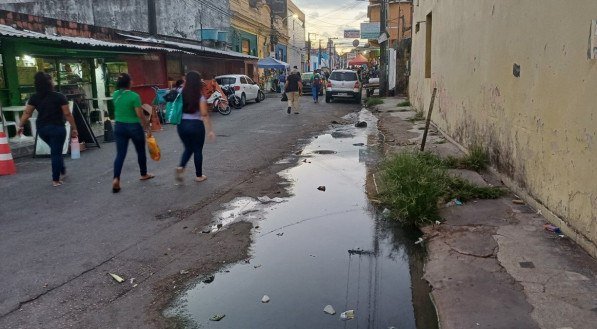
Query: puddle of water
317,248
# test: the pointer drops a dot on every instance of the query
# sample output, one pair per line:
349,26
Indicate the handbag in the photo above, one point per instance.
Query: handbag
174,111
284,97
154,149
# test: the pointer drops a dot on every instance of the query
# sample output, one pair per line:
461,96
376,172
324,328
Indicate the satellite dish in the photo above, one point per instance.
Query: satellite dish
355,43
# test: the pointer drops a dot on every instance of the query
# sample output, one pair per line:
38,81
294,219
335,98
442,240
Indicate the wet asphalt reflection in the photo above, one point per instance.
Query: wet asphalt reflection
317,248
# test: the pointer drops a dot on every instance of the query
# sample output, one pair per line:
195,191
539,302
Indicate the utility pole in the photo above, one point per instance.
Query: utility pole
383,51
319,57
309,51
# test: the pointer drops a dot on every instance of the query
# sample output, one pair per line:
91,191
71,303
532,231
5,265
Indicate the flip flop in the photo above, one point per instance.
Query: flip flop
146,177
200,179
56,184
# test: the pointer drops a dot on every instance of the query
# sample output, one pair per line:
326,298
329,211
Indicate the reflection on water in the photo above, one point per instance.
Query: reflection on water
318,248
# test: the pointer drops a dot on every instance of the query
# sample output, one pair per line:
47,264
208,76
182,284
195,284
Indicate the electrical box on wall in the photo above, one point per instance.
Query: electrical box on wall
593,40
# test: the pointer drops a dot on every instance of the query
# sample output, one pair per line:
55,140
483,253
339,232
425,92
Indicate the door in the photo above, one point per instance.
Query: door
244,87
254,88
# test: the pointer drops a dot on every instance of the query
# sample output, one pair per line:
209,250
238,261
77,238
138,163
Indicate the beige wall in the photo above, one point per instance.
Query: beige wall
540,128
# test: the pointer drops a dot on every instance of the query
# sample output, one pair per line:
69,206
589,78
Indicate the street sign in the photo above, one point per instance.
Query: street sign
382,38
369,30
352,33
355,43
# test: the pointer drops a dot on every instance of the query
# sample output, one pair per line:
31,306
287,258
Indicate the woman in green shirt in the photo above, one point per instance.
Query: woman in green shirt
130,124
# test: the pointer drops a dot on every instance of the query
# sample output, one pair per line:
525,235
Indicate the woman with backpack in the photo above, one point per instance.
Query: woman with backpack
131,124
191,130
53,112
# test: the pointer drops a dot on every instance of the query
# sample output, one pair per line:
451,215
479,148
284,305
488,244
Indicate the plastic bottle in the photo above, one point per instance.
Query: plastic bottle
75,148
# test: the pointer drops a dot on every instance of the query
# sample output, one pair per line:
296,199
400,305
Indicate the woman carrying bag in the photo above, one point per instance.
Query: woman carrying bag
53,112
130,125
191,130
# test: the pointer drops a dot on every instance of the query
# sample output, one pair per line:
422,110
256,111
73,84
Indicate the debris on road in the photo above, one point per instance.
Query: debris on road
347,315
419,240
132,280
116,277
265,299
358,144
552,228
217,317
209,279
454,202
206,230
266,199
257,266
183,272
386,213
361,124
518,201
328,309
321,188
437,222
280,234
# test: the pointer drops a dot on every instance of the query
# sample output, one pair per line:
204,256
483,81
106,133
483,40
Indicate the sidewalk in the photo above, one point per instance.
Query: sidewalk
491,264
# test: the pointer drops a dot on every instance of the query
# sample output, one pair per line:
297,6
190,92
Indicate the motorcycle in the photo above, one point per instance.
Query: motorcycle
219,103
233,100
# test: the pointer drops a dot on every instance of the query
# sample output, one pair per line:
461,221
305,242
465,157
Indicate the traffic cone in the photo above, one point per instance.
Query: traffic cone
155,121
7,165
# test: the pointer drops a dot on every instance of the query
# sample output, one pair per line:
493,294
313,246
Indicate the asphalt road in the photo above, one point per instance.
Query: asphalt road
57,244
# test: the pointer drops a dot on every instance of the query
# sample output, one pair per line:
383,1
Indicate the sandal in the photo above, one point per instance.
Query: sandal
147,176
116,185
178,174
56,183
200,179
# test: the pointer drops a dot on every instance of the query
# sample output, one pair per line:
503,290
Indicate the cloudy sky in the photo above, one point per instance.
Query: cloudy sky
329,18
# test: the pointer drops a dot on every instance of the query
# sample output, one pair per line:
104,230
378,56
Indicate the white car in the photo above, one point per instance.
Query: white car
244,87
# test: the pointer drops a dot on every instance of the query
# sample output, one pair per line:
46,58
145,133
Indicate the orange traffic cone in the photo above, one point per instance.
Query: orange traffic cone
155,121
7,166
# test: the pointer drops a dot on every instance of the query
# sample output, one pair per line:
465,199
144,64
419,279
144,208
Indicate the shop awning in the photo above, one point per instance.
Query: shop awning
359,60
272,63
9,31
196,48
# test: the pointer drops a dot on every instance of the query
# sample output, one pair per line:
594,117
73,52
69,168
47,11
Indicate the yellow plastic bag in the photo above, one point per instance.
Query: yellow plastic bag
154,149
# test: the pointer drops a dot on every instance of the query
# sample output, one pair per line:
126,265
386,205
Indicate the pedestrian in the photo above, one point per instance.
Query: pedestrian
282,81
131,124
53,112
315,86
191,130
294,89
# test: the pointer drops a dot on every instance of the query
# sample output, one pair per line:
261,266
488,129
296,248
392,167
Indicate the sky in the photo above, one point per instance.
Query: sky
329,18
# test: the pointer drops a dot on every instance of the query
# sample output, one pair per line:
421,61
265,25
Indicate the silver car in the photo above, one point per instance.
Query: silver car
343,84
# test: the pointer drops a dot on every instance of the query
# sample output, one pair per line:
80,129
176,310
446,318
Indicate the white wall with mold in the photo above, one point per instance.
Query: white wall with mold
540,128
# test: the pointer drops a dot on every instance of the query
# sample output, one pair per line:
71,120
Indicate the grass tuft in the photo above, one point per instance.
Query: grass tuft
419,115
405,103
477,159
412,184
372,101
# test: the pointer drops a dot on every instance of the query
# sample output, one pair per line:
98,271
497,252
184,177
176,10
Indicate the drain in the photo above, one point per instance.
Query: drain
324,152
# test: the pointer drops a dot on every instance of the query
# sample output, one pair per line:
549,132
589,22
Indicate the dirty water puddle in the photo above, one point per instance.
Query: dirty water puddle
318,249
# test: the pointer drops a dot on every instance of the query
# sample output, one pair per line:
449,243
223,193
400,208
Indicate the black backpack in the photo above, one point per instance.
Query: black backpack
171,96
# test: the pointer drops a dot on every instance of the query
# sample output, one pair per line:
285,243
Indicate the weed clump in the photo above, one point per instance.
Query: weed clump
414,184
419,115
404,103
372,101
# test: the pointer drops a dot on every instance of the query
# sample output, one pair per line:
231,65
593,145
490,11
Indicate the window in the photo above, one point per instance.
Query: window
428,28
243,80
343,76
226,81
246,46
249,81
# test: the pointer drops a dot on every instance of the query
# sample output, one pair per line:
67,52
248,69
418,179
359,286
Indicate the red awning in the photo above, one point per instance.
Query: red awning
359,60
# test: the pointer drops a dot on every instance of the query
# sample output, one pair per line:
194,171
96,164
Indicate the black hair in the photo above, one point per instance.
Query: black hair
43,83
191,93
124,81
179,83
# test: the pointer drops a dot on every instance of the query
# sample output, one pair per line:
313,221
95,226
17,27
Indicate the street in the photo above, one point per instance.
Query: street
59,244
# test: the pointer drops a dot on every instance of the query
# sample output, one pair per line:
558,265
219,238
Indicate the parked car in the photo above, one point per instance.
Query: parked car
244,87
306,77
344,84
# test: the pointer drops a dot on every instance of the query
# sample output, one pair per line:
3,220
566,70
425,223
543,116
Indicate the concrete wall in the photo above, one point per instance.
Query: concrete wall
174,17
539,128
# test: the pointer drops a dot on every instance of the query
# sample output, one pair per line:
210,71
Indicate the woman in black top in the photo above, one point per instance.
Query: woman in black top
53,111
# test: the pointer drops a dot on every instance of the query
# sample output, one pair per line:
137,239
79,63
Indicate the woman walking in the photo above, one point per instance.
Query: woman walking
130,124
191,130
53,112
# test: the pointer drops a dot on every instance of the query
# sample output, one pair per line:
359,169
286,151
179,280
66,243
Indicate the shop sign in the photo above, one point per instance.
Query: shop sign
351,34
370,30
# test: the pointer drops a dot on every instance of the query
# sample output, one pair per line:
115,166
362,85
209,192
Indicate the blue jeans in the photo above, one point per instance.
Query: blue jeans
54,136
122,133
192,135
315,92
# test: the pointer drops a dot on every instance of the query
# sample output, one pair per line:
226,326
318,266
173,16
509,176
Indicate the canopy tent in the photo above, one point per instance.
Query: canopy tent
271,63
359,60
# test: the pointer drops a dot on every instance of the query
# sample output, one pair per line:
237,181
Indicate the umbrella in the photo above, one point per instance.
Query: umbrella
271,63
359,60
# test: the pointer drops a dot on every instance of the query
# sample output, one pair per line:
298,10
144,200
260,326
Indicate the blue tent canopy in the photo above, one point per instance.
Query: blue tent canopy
271,63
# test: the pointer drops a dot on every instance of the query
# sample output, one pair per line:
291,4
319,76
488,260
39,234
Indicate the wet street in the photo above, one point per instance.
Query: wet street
316,248
311,248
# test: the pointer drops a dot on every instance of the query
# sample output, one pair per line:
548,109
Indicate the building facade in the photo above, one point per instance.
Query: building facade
523,90
296,36
399,19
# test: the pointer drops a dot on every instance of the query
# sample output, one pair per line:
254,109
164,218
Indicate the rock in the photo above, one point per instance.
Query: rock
265,299
183,272
361,124
206,230
517,201
257,266
209,279
334,122
219,225
217,317
328,309
280,234
321,188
